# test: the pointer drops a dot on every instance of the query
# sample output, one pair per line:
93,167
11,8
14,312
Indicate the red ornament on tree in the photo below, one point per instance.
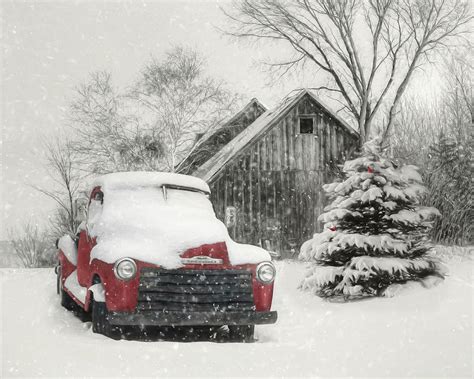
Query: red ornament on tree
370,169
332,228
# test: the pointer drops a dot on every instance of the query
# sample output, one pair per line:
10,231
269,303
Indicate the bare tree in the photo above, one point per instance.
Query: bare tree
439,139
65,180
418,125
32,246
109,136
179,100
151,126
460,89
366,51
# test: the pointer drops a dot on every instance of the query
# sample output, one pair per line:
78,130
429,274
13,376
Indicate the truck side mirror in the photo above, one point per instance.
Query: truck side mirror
230,216
274,254
80,209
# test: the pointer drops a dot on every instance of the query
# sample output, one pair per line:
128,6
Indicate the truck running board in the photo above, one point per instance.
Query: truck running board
72,285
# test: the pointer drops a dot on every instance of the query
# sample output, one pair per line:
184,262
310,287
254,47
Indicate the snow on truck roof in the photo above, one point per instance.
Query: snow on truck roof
155,228
149,179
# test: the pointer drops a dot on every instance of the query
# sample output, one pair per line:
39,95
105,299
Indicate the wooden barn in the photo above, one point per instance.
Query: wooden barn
266,169
209,144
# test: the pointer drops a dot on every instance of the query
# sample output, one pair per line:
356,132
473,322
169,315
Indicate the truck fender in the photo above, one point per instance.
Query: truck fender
99,292
69,249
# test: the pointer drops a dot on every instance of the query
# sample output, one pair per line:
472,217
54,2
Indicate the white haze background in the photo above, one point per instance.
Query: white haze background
48,48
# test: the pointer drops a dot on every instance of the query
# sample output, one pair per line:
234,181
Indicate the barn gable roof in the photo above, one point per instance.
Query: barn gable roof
215,139
215,164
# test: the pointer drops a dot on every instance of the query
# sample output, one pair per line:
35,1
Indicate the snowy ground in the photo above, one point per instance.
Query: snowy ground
420,333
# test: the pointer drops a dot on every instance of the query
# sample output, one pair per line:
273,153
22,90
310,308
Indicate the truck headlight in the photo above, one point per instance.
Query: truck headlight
266,272
125,269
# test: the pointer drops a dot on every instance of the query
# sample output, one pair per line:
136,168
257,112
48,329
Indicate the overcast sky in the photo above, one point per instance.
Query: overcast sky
50,47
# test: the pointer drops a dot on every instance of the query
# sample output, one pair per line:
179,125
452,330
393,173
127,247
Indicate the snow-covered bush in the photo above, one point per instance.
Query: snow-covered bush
375,231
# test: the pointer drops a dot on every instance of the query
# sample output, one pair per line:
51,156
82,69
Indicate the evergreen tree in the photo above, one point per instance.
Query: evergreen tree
375,232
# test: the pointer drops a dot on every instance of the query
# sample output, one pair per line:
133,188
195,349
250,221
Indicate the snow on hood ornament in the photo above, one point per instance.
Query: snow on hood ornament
201,260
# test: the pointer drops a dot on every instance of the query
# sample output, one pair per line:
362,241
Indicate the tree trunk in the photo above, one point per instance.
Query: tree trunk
362,133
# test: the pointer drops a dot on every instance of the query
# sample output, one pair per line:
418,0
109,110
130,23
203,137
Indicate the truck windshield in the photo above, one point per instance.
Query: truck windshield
187,198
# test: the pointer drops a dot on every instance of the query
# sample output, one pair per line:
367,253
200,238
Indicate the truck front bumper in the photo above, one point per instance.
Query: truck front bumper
156,318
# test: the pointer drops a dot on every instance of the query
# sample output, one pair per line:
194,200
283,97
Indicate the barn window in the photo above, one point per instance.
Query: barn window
306,125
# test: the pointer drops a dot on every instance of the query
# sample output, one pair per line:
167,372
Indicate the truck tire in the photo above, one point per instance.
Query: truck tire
100,321
242,333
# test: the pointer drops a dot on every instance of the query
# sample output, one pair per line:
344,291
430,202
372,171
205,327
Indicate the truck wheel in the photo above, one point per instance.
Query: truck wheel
242,333
100,321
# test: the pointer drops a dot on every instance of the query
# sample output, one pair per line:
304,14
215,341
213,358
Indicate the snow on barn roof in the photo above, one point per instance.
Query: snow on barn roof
213,166
211,132
149,179
216,138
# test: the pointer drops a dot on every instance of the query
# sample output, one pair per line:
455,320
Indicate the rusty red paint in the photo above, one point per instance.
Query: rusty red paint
123,295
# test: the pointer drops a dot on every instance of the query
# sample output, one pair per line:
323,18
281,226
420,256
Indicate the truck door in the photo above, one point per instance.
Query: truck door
86,241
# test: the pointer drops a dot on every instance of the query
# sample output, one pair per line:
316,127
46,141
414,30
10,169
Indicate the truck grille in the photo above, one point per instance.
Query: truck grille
195,290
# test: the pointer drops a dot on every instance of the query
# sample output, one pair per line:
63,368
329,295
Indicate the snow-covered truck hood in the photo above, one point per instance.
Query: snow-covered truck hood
138,222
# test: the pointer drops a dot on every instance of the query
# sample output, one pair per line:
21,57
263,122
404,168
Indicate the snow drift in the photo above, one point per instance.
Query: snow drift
419,333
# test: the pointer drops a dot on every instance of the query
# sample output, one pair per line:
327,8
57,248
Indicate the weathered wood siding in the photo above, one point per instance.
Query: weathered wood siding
275,183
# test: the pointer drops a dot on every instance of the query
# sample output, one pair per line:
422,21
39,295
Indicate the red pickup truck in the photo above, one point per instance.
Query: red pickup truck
152,253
